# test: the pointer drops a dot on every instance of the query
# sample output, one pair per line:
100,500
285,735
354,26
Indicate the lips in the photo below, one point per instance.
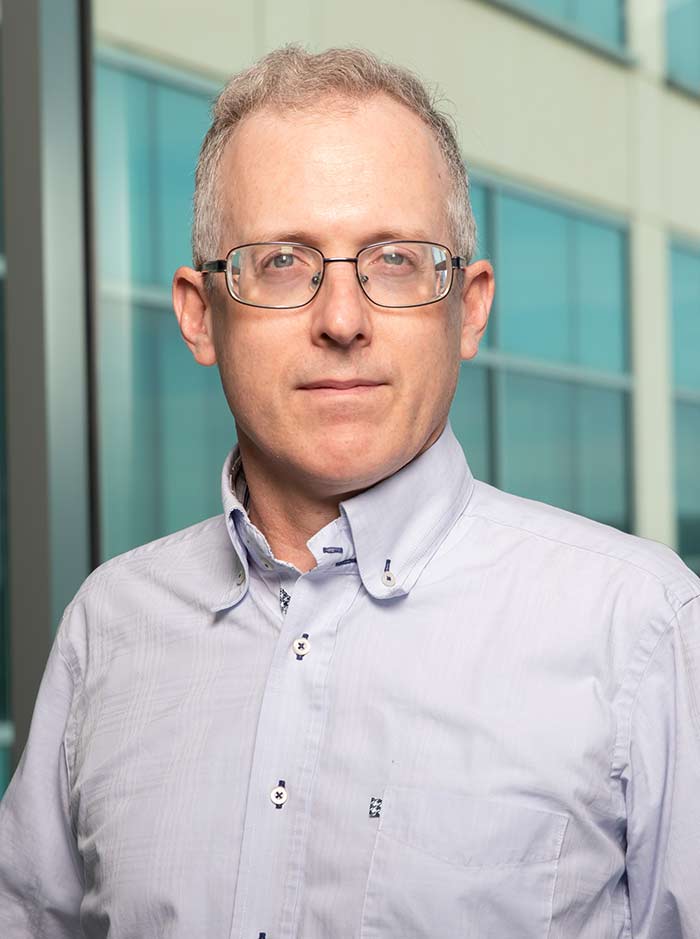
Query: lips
334,384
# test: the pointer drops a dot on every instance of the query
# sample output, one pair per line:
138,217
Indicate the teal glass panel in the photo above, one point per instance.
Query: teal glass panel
196,431
164,425
124,177
182,120
470,417
480,199
683,41
565,444
599,287
555,9
533,280
688,480
685,305
600,18
478,196
536,439
602,456
164,428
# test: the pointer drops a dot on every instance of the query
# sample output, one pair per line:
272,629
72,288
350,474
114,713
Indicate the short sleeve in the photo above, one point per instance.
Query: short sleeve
40,875
662,787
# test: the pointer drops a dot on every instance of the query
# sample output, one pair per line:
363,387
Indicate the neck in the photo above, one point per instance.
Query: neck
285,512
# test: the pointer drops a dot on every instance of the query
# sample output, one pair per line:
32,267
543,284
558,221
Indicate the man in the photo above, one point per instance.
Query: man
375,697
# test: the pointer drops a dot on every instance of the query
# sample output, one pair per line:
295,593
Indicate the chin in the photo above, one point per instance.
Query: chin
351,460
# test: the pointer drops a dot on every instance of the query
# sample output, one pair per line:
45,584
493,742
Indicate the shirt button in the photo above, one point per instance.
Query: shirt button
240,578
267,565
279,795
302,645
388,579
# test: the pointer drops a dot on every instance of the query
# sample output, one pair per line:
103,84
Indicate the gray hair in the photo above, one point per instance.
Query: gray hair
291,77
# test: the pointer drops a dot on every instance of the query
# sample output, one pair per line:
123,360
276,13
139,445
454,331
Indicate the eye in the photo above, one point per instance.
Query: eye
280,261
393,257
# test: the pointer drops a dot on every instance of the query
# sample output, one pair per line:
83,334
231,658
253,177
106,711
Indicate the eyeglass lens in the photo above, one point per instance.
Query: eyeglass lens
400,274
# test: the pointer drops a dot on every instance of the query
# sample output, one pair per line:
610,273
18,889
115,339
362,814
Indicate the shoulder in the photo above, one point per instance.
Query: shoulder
571,544
176,576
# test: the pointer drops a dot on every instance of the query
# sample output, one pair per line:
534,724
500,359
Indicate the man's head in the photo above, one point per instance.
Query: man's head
291,79
337,151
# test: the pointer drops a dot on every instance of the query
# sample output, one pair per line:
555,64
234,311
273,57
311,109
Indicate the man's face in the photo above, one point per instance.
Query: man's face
338,178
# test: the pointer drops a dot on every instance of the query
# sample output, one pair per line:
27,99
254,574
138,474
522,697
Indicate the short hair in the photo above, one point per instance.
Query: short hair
292,78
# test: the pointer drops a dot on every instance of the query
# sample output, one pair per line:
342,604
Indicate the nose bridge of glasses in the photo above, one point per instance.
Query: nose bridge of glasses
362,279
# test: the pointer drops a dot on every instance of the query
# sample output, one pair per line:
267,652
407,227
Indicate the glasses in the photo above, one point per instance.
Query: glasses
284,275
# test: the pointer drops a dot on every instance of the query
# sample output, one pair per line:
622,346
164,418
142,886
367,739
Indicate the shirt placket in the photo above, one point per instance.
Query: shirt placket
290,726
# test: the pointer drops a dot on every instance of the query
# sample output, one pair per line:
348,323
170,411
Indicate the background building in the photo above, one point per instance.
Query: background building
580,125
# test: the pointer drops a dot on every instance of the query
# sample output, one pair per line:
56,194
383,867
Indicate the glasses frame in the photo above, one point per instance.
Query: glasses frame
457,263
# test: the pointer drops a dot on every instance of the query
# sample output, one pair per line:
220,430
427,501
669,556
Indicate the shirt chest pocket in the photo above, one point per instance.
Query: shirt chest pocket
446,864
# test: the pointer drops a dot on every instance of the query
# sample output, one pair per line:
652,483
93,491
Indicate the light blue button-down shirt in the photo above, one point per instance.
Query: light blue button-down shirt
479,717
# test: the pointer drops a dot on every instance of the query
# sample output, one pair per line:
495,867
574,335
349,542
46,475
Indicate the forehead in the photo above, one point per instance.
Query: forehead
342,170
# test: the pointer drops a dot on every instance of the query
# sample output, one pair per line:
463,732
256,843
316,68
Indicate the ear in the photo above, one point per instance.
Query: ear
193,308
477,297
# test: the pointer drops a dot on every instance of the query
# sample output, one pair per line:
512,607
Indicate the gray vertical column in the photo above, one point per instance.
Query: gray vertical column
46,357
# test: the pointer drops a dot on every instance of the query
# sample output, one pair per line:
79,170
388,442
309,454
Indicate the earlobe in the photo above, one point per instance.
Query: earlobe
477,297
193,309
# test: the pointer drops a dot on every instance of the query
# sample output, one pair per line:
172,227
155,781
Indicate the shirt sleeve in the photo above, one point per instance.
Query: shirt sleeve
41,884
662,786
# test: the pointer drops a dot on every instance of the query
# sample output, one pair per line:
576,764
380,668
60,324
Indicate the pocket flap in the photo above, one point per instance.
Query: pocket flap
471,831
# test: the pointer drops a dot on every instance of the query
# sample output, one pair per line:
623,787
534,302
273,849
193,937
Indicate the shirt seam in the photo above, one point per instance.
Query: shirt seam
621,757
70,733
668,589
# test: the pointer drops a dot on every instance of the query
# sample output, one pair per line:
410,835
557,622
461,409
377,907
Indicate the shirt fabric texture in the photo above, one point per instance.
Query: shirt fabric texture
477,717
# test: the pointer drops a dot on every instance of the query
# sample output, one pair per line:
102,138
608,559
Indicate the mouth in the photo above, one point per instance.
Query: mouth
349,386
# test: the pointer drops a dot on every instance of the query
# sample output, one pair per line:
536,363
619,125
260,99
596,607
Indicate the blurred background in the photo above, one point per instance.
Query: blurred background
580,126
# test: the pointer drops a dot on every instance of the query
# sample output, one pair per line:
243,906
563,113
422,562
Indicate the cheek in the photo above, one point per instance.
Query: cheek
430,356
251,365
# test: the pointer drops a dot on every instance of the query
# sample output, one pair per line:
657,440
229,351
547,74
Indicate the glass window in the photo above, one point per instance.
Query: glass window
469,417
562,300
685,310
182,120
164,425
533,267
124,176
683,42
479,196
565,444
599,19
599,287
481,200
562,286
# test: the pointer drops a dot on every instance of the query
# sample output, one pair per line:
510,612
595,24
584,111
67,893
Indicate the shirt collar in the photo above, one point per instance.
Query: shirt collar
396,525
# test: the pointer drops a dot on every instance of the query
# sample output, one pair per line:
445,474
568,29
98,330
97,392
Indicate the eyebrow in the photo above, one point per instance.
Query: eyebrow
308,238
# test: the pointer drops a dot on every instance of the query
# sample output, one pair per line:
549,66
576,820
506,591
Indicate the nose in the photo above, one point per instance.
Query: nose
341,312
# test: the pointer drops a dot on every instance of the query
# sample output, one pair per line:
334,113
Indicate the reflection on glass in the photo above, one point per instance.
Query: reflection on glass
164,425
562,286
565,444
